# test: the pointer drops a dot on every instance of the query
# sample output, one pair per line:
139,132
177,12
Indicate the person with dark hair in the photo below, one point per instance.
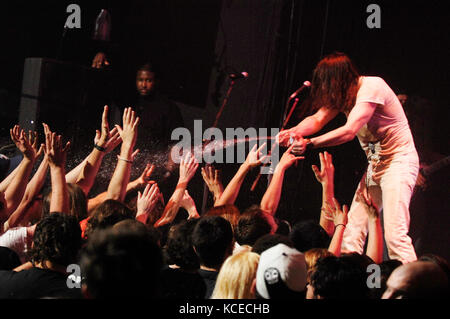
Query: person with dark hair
159,116
375,115
180,278
386,269
107,214
417,280
213,242
56,245
307,235
269,240
338,278
253,224
121,262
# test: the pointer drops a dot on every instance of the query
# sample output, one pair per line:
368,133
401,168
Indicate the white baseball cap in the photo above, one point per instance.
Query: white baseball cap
281,271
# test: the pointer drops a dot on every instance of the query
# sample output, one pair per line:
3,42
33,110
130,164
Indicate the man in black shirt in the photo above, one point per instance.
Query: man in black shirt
158,116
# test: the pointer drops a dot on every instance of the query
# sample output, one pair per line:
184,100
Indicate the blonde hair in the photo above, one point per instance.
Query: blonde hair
311,258
236,276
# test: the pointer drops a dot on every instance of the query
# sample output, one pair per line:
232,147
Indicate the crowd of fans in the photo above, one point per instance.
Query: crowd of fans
61,242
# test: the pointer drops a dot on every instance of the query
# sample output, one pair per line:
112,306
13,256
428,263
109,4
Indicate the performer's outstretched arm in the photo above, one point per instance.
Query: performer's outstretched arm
309,126
359,115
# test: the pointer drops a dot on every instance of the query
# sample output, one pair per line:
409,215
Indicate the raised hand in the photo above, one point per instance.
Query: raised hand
188,167
288,159
54,149
255,158
128,132
188,203
212,179
335,213
373,209
147,200
25,144
326,172
146,174
108,139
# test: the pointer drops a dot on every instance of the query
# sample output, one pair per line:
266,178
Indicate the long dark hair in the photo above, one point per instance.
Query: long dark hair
334,83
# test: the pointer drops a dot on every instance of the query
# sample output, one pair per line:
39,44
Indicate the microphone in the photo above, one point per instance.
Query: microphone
242,75
305,84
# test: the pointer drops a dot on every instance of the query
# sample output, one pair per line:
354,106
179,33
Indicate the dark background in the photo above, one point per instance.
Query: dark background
196,44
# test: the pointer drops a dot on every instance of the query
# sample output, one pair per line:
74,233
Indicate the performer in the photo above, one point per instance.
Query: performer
376,117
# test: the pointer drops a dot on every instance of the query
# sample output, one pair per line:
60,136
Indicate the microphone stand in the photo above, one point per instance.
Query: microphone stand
206,142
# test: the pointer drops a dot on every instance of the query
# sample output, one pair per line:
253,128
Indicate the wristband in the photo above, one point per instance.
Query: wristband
100,148
124,159
339,225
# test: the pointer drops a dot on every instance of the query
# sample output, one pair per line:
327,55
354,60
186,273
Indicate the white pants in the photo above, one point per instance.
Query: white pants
392,192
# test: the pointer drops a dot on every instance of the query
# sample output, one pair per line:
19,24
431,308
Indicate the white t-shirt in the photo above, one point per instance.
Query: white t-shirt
16,239
387,134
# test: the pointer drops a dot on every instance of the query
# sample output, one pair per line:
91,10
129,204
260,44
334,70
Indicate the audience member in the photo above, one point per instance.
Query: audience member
281,274
269,240
237,276
339,278
307,235
56,245
417,280
121,262
213,242
180,278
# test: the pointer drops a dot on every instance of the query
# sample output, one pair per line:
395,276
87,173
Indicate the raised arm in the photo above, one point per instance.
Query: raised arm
57,154
146,202
325,176
339,218
32,190
271,198
375,241
16,188
254,159
104,142
188,167
140,181
187,202
118,185
212,179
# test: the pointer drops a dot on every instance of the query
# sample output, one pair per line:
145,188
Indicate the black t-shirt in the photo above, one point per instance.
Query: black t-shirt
179,284
209,277
158,118
35,283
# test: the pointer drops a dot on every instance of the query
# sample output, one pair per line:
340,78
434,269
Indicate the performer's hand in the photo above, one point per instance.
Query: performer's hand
299,146
284,138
